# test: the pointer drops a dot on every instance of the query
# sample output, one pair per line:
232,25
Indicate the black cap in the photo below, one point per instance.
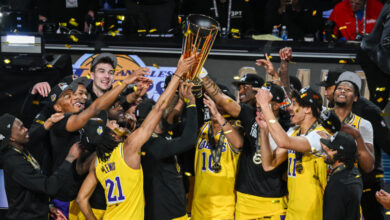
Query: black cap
330,79
251,79
61,87
342,142
92,133
295,83
143,109
276,91
110,56
330,121
308,97
6,122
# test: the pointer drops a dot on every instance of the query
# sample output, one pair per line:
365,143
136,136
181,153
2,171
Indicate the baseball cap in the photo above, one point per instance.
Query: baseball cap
330,121
276,91
308,97
251,79
295,83
101,56
330,79
91,133
247,70
142,110
6,122
61,87
350,77
342,142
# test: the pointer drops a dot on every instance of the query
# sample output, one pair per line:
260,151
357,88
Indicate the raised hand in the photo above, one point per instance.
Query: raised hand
263,96
268,66
137,75
43,88
185,65
285,54
211,104
54,118
185,92
261,121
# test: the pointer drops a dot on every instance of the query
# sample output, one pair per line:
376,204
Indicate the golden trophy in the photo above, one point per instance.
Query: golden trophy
199,36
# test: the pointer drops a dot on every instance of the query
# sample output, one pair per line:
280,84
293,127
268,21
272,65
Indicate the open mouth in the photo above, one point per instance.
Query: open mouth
79,105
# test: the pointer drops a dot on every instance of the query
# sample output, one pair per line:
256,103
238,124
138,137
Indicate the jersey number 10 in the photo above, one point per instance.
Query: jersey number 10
111,185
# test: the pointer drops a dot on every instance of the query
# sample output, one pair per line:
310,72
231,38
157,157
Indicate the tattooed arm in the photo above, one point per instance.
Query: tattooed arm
215,93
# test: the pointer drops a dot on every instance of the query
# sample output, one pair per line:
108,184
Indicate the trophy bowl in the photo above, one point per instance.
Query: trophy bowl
199,36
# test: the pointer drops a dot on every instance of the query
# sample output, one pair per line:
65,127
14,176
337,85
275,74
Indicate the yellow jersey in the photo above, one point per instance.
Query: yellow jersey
306,187
123,187
214,195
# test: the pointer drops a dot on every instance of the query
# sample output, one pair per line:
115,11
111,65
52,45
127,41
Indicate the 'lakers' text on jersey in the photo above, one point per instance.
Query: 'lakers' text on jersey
214,196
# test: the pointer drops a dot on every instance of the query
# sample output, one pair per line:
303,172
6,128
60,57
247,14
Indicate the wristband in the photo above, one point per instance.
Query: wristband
228,131
189,106
181,78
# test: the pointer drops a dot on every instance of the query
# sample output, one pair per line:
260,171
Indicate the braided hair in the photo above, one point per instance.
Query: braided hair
106,145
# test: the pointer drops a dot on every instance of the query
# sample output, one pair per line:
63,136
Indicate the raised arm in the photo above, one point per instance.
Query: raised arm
285,57
86,192
215,93
299,143
232,134
134,142
270,158
78,121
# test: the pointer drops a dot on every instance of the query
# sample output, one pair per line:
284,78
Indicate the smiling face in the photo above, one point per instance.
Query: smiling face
80,97
344,95
103,76
116,112
19,133
247,94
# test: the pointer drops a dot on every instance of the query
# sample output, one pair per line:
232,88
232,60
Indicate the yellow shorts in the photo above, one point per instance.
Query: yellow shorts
76,214
255,207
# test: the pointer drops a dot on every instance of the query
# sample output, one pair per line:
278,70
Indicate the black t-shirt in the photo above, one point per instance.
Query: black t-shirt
61,142
251,178
27,189
369,111
163,177
342,195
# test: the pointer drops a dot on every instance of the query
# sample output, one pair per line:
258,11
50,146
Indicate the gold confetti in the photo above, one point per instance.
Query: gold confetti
35,102
16,30
329,123
49,66
74,38
236,77
314,13
67,46
384,114
380,89
186,100
40,122
111,27
235,30
380,100
179,19
275,201
353,60
142,153
342,61
89,76
135,88
152,30
187,174
141,30
62,24
357,176
236,36
112,33
229,100
387,213
155,65
367,190
269,57
120,17
100,23
342,27
73,22
170,133
333,36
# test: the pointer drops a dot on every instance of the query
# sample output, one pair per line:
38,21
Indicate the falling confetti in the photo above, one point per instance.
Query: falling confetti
73,22
314,13
49,66
342,61
74,38
67,46
380,89
155,65
142,153
380,100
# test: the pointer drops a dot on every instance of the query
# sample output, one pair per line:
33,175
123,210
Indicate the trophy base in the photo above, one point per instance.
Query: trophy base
197,88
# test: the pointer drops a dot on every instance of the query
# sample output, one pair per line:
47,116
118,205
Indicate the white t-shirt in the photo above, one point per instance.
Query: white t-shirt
367,131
